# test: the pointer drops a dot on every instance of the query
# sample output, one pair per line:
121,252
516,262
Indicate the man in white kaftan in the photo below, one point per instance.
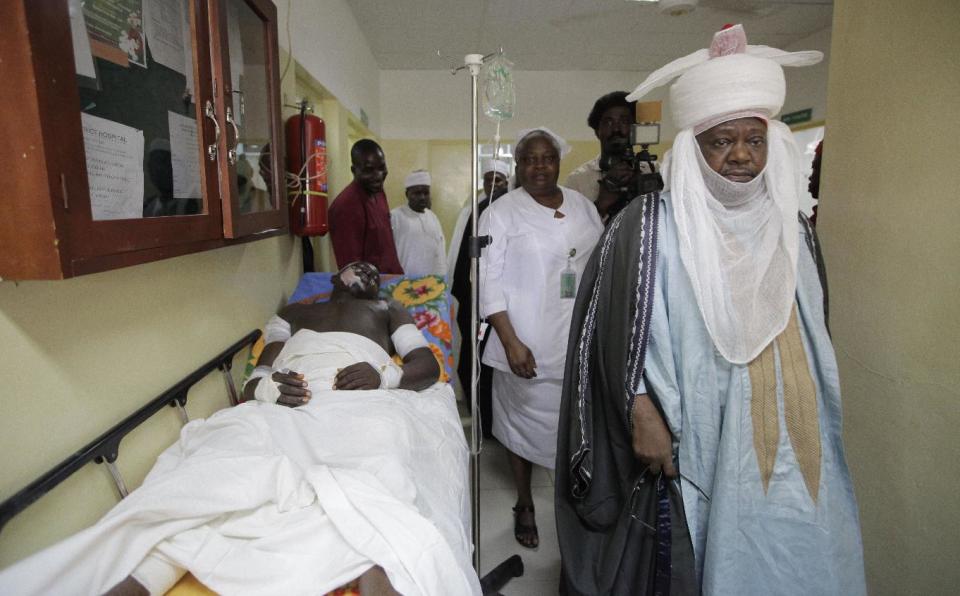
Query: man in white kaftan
417,232
336,469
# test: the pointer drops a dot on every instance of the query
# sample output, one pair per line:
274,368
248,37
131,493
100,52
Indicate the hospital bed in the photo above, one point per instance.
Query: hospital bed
427,301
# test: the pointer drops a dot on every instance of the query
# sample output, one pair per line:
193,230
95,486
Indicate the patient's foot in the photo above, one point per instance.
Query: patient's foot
525,526
128,587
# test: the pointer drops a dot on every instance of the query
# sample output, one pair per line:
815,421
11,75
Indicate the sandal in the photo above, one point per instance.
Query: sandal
528,531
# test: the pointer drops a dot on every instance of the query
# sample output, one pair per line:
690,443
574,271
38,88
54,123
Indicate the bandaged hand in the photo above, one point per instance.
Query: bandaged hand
292,387
361,375
521,359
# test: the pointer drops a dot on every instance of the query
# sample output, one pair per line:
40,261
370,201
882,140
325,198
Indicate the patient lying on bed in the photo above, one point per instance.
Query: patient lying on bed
355,477
353,308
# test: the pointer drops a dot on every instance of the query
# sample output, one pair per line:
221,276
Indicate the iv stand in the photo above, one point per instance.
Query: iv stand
513,566
473,62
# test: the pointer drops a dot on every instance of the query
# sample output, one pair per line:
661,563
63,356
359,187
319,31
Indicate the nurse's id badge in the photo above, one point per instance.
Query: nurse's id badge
568,278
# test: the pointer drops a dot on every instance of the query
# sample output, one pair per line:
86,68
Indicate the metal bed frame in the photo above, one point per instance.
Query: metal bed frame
106,448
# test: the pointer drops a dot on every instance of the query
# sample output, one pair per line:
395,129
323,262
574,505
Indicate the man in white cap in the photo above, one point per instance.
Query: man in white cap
495,174
416,230
700,439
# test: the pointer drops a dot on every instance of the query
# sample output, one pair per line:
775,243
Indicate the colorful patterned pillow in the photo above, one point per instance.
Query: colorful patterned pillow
425,298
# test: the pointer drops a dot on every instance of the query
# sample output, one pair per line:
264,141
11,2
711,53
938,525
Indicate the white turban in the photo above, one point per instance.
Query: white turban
562,147
417,178
729,80
494,165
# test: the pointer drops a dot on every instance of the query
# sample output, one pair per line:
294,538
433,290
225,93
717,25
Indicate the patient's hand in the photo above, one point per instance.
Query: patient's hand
293,388
357,376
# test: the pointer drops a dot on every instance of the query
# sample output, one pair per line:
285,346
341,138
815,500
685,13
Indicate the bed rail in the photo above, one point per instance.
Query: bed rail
105,448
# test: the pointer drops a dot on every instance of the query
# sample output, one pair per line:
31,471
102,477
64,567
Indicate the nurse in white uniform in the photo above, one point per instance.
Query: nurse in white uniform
541,237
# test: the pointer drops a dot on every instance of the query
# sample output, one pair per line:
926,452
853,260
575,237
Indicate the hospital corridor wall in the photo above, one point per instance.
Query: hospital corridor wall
888,219
82,354
449,164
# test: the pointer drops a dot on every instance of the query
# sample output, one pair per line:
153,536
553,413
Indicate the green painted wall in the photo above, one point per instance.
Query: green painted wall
890,225
82,354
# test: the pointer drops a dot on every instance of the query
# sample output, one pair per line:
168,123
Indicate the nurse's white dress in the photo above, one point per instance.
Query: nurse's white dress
520,273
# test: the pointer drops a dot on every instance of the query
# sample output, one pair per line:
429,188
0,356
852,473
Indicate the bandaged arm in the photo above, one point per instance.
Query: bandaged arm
420,367
260,385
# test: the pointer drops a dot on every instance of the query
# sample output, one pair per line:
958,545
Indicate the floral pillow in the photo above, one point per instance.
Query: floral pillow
425,298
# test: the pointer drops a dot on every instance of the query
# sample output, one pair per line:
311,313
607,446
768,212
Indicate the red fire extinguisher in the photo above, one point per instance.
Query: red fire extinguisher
306,141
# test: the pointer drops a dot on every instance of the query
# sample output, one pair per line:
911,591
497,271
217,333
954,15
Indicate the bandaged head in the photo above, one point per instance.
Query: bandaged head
360,278
738,241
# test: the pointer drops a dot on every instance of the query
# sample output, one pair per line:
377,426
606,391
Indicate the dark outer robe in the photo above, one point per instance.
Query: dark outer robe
605,503
460,288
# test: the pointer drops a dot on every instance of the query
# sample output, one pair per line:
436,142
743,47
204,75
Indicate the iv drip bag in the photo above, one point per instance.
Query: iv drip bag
499,97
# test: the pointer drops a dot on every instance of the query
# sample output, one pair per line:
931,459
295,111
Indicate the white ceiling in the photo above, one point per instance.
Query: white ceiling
570,34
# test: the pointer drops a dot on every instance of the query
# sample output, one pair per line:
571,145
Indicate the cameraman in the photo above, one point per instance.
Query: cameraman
606,178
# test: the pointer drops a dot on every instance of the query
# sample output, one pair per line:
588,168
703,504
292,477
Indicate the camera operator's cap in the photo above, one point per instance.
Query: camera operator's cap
562,147
494,165
417,178
728,80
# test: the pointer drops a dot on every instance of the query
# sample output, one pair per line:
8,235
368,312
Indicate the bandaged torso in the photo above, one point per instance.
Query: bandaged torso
320,356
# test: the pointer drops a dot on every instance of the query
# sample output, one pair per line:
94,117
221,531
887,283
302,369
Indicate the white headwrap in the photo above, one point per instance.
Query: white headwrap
562,147
494,165
738,241
417,178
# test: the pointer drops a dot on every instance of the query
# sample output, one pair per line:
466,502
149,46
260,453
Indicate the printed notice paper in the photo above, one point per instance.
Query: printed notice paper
184,156
114,168
166,25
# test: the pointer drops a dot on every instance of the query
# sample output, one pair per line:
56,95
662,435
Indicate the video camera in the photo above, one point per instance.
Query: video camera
645,132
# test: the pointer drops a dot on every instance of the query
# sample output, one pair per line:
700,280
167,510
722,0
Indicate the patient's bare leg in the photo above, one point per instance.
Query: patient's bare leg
154,575
128,587
375,583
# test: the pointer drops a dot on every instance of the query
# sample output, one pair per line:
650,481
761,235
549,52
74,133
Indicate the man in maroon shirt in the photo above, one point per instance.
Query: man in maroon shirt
359,216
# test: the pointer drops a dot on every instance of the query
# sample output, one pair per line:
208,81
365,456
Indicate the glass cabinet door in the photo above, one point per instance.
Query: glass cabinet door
247,82
137,107
142,72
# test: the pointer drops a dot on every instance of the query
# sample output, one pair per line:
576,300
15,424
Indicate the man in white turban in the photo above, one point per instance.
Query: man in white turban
699,448
416,230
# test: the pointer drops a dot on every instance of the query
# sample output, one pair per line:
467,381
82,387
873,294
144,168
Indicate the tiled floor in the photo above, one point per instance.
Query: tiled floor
497,497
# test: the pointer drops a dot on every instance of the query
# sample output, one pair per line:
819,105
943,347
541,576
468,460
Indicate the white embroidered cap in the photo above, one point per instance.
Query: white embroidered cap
417,178
494,165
